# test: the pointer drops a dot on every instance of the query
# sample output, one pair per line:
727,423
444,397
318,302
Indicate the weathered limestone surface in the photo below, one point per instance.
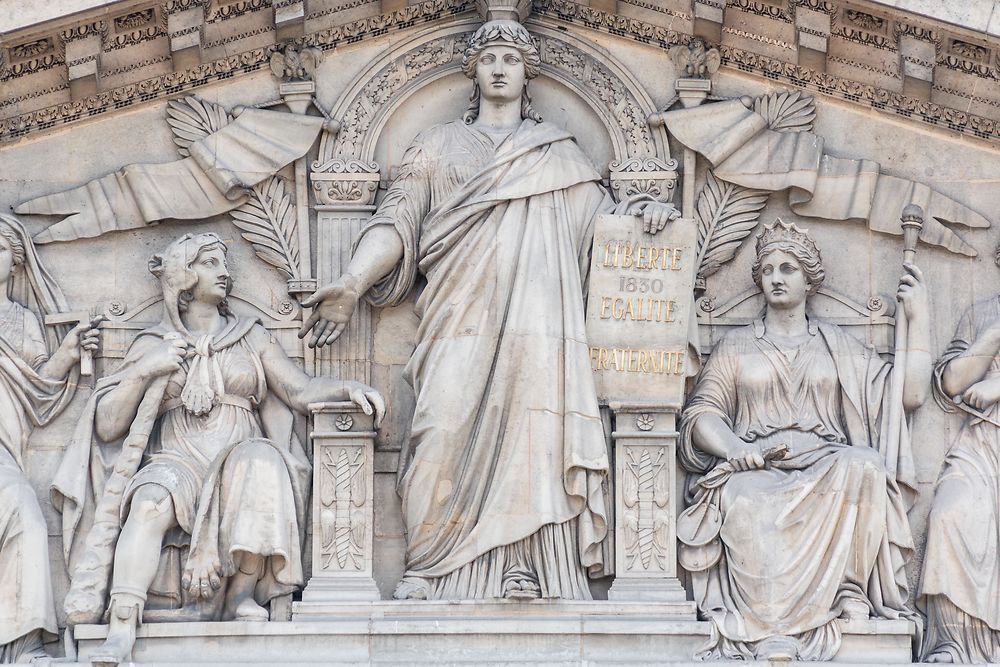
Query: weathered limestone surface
655,374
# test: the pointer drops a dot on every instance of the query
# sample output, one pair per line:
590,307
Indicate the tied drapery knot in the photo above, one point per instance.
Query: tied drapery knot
203,385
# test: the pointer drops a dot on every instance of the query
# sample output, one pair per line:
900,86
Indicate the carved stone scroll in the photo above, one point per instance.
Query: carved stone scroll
343,518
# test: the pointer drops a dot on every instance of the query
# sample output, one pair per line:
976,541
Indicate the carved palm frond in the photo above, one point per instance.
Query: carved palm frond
787,112
726,213
268,222
192,119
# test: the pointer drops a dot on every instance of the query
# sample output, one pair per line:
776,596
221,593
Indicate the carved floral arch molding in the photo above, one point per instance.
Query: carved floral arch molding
346,171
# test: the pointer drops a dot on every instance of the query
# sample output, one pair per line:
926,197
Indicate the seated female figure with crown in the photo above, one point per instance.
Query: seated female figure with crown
796,521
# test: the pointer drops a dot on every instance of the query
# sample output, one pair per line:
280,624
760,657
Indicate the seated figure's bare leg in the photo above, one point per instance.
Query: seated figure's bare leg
137,557
240,602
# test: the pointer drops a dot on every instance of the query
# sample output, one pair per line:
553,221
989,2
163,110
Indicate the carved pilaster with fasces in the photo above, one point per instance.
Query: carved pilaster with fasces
344,190
645,443
343,440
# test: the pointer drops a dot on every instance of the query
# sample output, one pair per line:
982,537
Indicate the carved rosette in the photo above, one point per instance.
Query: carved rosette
644,176
349,181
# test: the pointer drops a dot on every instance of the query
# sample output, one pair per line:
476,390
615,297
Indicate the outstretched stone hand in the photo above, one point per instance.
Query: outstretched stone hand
334,305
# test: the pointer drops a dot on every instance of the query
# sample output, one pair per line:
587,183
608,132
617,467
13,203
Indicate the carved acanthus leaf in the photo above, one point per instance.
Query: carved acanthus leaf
192,119
787,112
268,222
727,213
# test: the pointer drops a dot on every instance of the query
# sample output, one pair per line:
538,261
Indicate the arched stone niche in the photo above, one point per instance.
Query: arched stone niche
580,88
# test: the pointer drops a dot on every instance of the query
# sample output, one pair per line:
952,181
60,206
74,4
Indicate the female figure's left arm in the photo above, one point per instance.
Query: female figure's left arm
912,294
297,389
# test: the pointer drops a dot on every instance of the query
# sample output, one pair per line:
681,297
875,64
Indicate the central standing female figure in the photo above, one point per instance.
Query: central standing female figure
799,522
502,491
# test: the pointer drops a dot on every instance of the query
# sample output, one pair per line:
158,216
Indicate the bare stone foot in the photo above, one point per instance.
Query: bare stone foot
779,648
940,656
411,588
521,589
249,610
855,610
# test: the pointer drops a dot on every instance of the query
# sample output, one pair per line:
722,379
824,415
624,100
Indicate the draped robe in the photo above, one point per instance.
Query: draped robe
507,457
960,584
781,551
27,399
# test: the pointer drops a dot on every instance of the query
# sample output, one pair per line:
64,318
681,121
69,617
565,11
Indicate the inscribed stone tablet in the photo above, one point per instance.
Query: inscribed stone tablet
639,308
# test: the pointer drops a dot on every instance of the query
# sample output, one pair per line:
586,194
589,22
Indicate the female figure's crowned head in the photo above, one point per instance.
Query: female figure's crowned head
788,266
501,59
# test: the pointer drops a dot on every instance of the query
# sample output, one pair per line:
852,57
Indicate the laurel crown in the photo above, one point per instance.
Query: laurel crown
781,231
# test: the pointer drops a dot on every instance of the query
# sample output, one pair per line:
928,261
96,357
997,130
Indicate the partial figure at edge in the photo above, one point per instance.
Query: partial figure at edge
960,583
38,378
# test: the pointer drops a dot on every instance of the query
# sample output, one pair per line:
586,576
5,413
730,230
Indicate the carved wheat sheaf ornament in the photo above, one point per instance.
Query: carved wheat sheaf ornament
726,214
192,119
268,222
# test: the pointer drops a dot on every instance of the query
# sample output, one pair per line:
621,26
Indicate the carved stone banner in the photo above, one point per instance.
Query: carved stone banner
639,308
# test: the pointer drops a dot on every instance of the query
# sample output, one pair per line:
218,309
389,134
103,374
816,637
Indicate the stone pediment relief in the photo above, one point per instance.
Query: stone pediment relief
549,334
921,47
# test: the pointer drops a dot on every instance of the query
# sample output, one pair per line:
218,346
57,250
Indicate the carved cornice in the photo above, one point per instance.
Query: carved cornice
381,24
220,10
29,57
224,68
853,91
180,5
615,24
824,6
763,39
133,28
657,7
772,10
956,50
794,75
866,29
